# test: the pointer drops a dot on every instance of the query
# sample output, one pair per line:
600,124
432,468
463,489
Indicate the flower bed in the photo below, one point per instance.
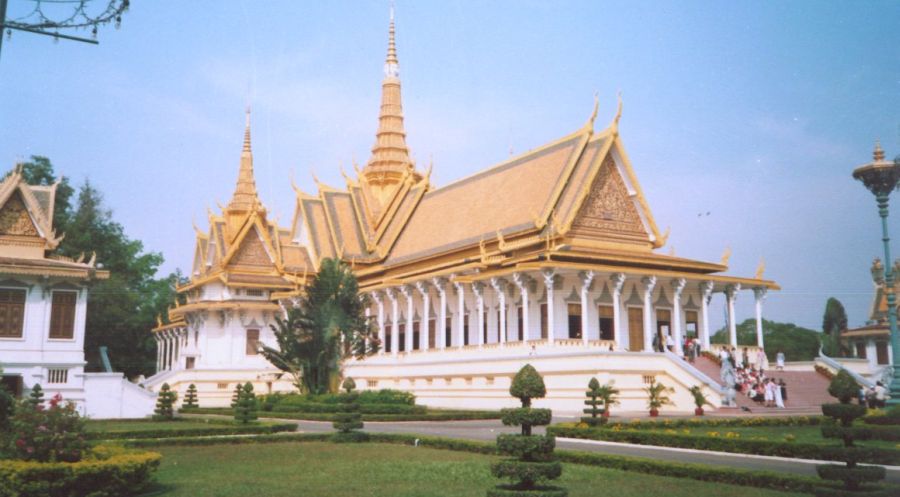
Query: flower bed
106,472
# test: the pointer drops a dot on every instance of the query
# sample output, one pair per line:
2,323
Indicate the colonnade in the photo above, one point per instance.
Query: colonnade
168,345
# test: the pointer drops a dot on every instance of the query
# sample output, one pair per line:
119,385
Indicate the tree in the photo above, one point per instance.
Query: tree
190,397
327,325
245,411
36,397
797,343
236,396
600,398
531,459
834,322
123,308
165,404
7,404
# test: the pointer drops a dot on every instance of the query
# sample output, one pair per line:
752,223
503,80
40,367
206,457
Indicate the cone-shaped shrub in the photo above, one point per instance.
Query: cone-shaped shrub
857,479
236,396
531,461
599,398
190,397
165,404
36,397
245,411
348,422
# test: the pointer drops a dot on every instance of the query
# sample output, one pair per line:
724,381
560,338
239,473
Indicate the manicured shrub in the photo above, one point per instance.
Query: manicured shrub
236,395
106,472
165,404
855,478
217,427
531,461
190,397
51,434
349,421
36,397
657,396
245,411
594,409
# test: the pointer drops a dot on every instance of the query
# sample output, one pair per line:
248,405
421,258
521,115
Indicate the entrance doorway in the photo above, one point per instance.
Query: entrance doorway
635,329
663,328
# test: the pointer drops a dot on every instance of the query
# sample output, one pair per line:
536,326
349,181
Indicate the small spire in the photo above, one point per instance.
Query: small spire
244,197
247,132
391,65
878,154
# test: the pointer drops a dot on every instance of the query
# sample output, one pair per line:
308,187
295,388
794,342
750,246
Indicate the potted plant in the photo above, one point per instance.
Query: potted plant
699,400
609,395
657,397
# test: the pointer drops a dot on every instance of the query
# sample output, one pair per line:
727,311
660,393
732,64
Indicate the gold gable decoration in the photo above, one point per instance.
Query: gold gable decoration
14,218
608,210
251,251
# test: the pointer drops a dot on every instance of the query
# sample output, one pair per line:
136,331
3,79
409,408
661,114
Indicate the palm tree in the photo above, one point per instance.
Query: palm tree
327,325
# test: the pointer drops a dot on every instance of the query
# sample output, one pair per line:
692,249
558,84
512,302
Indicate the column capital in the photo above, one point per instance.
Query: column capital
618,281
439,283
548,275
649,282
760,292
522,281
478,289
678,285
732,289
587,279
706,289
422,287
376,296
406,290
499,284
391,294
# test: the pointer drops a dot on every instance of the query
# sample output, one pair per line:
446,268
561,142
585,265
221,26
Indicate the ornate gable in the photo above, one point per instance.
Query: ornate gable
14,218
252,251
609,211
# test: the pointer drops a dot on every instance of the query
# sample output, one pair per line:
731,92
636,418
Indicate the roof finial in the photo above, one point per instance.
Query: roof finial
618,110
247,132
391,63
878,154
594,112
244,197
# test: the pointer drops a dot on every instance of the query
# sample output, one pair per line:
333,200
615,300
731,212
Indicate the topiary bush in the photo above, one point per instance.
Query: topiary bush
165,404
857,480
531,461
190,397
245,410
36,397
348,422
594,409
236,395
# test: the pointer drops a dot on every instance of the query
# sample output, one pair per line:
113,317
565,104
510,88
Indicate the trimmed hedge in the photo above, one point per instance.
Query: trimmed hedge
872,455
640,424
249,429
873,432
435,415
386,396
110,473
315,407
526,416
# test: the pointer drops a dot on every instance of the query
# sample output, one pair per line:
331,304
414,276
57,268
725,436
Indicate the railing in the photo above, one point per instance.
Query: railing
602,345
837,366
700,375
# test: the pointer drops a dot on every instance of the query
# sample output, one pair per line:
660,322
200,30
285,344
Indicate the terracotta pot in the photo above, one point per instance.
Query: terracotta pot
654,413
698,411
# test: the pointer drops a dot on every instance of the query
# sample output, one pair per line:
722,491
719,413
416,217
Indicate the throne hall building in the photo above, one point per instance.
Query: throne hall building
548,258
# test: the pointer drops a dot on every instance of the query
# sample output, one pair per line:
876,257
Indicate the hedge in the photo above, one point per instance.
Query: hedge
109,473
872,432
872,455
435,415
386,396
637,424
249,429
315,407
202,441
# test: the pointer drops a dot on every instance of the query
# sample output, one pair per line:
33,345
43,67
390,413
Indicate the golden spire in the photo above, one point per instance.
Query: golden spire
245,198
878,154
390,159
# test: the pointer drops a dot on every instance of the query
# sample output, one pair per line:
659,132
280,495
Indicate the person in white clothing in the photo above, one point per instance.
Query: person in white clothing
779,361
760,359
776,390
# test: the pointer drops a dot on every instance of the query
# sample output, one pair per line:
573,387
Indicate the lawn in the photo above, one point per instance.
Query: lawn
374,470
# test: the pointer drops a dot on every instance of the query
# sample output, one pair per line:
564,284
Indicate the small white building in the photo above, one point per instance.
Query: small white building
43,308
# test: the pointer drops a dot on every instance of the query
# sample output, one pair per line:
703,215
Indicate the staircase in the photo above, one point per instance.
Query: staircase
806,390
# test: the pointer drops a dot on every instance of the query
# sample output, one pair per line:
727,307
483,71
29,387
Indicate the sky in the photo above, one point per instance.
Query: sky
753,112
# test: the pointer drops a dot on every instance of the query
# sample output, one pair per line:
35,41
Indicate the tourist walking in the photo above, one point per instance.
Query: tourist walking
779,361
760,359
779,399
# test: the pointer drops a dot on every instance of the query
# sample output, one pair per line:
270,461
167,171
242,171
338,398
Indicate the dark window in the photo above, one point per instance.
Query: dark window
401,336
448,332
12,313
62,315
607,322
860,350
574,320
484,326
188,363
466,329
520,323
690,325
432,329
543,321
416,336
252,342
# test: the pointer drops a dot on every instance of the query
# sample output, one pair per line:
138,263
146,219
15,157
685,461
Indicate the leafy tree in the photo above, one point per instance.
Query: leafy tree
36,397
7,404
531,459
327,326
165,404
797,343
123,308
190,397
834,322
245,411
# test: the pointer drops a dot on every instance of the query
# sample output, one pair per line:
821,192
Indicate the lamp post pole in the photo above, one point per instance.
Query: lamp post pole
881,177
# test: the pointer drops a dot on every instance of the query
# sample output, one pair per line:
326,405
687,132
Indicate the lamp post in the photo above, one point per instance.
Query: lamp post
880,177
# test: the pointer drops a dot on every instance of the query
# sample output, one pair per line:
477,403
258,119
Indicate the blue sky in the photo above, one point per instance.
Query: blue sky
756,112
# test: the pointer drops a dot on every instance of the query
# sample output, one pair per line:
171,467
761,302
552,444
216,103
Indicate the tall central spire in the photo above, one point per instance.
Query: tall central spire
244,197
390,156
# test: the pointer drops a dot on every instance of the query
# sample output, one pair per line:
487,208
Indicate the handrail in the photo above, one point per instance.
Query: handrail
700,375
838,366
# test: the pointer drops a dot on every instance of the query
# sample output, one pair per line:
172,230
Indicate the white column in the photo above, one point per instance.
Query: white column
499,286
407,292
586,278
478,290
649,330
461,312
380,303
871,353
158,351
760,294
551,323
521,281
618,281
440,327
395,315
706,289
422,287
368,323
677,327
731,296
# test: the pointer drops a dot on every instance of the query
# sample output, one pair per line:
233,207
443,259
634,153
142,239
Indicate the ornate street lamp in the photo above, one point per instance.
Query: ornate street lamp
881,176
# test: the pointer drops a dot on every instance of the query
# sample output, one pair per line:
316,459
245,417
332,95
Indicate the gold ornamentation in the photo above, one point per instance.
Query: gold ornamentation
252,252
725,256
608,209
760,269
14,218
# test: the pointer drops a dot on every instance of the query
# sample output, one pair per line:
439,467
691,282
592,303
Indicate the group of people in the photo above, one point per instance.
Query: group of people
751,379
874,397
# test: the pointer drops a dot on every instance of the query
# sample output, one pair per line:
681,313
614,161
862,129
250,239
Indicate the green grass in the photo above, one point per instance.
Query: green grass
802,434
375,470
117,426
